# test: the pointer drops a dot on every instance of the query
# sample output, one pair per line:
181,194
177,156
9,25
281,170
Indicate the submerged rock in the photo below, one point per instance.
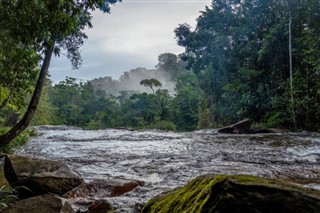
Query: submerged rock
40,204
103,188
100,206
236,193
39,176
84,197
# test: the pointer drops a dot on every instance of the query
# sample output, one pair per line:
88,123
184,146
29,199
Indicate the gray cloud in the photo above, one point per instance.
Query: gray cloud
133,35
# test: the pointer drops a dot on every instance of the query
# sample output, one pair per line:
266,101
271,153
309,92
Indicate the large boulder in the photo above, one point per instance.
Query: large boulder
40,204
39,176
223,193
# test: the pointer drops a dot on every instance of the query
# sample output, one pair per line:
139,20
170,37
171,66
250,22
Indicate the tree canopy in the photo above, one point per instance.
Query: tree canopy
152,82
246,59
35,30
240,52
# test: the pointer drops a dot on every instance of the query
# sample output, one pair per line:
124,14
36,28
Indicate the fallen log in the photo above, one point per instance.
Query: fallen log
241,127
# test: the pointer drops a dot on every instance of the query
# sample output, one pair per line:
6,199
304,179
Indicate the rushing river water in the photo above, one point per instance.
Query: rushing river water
165,160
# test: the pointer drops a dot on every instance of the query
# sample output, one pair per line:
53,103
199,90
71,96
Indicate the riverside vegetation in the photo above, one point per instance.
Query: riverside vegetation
237,61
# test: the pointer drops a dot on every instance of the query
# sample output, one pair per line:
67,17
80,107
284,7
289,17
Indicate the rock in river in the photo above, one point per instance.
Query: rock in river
40,176
100,206
40,204
236,193
103,188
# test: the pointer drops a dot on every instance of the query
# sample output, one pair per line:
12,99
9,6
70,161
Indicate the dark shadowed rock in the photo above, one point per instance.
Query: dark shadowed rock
243,126
100,206
39,176
40,204
237,193
103,188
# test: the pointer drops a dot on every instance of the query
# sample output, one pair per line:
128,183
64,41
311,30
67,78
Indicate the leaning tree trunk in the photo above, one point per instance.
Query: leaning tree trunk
34,102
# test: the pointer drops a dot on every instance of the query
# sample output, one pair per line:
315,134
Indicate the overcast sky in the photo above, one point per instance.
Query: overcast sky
133,35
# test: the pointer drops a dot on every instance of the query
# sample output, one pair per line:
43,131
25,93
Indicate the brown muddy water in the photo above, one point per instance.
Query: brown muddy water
166,160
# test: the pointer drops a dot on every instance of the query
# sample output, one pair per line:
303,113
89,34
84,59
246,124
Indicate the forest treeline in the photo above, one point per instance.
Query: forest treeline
257,59
93,104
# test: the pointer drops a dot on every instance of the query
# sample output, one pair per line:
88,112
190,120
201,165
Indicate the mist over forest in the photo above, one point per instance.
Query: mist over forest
168,69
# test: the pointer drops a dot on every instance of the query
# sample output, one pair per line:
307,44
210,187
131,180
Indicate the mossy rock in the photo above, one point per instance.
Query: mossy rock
236,193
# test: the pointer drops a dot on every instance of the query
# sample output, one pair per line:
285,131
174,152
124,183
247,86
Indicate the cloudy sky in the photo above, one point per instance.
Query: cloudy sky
133,35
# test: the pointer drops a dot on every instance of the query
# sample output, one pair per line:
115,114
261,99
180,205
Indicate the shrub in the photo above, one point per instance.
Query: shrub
7,195
18,141
163,125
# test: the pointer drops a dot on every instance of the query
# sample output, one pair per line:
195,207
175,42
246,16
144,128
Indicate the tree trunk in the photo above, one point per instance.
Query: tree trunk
33,105
291,72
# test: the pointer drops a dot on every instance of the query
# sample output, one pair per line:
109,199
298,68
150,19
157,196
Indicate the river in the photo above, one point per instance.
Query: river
165,160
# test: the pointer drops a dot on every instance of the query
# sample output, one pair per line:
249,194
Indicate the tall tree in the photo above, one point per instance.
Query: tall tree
185,103
239,51
46,28
152,82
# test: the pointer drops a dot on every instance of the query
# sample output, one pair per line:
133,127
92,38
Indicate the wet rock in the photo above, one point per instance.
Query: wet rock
120,189
39,176
40,204
236,193
241,127
99,206
103,188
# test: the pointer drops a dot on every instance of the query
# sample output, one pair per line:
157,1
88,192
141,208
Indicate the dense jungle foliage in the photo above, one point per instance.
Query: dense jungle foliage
241,52
92,105
257,59
31,32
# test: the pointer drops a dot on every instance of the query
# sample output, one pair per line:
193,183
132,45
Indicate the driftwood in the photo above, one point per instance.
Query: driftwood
243,126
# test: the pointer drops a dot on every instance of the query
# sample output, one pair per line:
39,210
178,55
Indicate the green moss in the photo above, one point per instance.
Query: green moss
187,199
222,193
